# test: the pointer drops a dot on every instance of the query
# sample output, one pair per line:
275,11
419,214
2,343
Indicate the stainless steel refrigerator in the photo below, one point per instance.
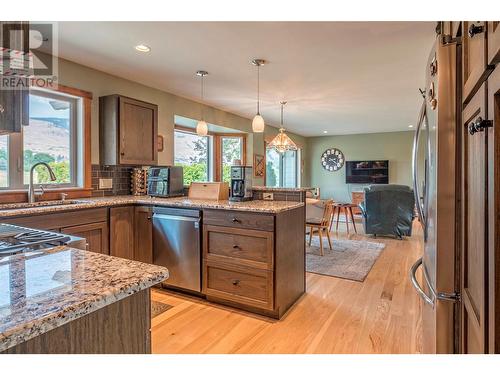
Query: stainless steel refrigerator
435,173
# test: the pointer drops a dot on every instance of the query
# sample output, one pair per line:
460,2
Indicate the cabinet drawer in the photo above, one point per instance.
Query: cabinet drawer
474,56
244,246
239,219
248,286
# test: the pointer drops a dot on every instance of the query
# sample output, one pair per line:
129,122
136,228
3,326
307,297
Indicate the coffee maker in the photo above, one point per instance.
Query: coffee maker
241,183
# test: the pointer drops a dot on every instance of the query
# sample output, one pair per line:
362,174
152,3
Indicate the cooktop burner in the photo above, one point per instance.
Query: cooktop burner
14,239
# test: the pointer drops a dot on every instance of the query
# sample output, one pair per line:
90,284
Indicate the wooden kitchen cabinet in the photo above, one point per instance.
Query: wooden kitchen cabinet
474,57
14,104
121,229
254,261
96,235
128,131
493,42
143,227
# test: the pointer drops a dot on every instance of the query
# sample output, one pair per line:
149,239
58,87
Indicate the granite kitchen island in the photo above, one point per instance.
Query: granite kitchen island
65,300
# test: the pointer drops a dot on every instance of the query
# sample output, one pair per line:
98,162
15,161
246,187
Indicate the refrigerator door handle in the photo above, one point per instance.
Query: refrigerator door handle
416,285
416,189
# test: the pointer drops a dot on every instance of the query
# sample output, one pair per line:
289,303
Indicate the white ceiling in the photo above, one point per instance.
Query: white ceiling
191,124
342,77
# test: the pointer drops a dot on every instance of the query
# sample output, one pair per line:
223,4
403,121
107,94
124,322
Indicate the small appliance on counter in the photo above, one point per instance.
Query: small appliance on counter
15,239
165,182
241,183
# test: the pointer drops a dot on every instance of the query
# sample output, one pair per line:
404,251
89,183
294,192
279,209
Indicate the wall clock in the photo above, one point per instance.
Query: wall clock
332,159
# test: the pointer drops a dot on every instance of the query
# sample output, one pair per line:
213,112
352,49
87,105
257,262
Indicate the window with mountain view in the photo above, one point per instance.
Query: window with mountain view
51,136
192,152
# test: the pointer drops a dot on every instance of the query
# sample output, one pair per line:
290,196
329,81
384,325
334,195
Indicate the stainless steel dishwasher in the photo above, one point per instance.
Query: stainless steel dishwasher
176,245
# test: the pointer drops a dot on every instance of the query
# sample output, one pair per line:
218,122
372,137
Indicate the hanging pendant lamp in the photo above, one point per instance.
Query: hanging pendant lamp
282,142
202,127
258,124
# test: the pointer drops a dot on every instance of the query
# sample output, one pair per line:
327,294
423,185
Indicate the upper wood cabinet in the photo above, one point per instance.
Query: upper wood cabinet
14,103
128,131
474,57
493,42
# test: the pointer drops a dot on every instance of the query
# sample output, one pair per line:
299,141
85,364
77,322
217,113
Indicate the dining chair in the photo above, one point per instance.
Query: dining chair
321,225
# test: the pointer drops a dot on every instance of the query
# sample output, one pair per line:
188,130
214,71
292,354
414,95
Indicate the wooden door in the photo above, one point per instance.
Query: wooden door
474,56
474,261
121,229
143,249
493,42
493,210
138,130
96,235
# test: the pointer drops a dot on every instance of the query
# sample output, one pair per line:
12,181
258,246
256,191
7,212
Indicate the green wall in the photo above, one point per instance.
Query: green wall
395,147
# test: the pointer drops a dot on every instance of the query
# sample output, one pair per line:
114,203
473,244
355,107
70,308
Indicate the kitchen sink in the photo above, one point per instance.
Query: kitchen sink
18,206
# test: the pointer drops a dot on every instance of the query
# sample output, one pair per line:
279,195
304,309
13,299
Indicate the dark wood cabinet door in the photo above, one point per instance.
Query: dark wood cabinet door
493,212
493,42
96,234
14,104
474,56
474,259
138,132
143,249
121,229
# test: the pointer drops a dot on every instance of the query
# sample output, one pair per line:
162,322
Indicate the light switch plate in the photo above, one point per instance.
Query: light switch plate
268,196
105,183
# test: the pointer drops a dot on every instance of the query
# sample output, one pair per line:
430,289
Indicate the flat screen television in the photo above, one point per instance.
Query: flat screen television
367,172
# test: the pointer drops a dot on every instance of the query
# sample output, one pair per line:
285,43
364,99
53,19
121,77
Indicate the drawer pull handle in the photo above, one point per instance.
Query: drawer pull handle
475,29
236,282
235,220
236,247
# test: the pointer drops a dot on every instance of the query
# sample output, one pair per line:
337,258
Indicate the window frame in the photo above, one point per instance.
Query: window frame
215,150
75,139
210,148
17,191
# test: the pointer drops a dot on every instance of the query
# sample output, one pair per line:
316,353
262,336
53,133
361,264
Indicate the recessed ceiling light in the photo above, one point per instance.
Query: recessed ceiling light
410,126
325,131
142,48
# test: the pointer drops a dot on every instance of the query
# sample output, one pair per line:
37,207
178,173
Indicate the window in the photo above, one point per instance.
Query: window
282,169
52,136
231,149
192,152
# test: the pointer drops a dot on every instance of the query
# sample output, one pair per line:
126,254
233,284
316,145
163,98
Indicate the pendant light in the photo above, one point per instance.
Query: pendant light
202,127
282,142
258,124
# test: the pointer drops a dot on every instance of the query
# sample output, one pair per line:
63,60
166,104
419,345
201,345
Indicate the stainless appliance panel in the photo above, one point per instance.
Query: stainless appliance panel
437,213
176,245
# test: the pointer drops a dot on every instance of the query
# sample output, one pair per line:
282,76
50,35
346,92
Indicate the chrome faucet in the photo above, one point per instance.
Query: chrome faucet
31,188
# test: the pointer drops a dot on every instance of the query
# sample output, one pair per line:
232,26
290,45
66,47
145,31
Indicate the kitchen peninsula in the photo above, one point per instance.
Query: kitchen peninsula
252,253
65,300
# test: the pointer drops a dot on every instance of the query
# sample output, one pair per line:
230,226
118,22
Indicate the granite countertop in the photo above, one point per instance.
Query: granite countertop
43,290
11,210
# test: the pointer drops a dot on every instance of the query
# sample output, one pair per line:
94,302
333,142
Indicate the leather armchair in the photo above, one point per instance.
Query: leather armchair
388,210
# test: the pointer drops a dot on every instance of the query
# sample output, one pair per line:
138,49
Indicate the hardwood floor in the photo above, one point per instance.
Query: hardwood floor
379,315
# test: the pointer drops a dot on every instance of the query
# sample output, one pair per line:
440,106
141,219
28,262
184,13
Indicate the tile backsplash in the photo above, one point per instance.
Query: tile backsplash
120,176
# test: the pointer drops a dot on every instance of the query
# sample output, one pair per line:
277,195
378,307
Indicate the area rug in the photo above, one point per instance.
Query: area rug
158,308
349,259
